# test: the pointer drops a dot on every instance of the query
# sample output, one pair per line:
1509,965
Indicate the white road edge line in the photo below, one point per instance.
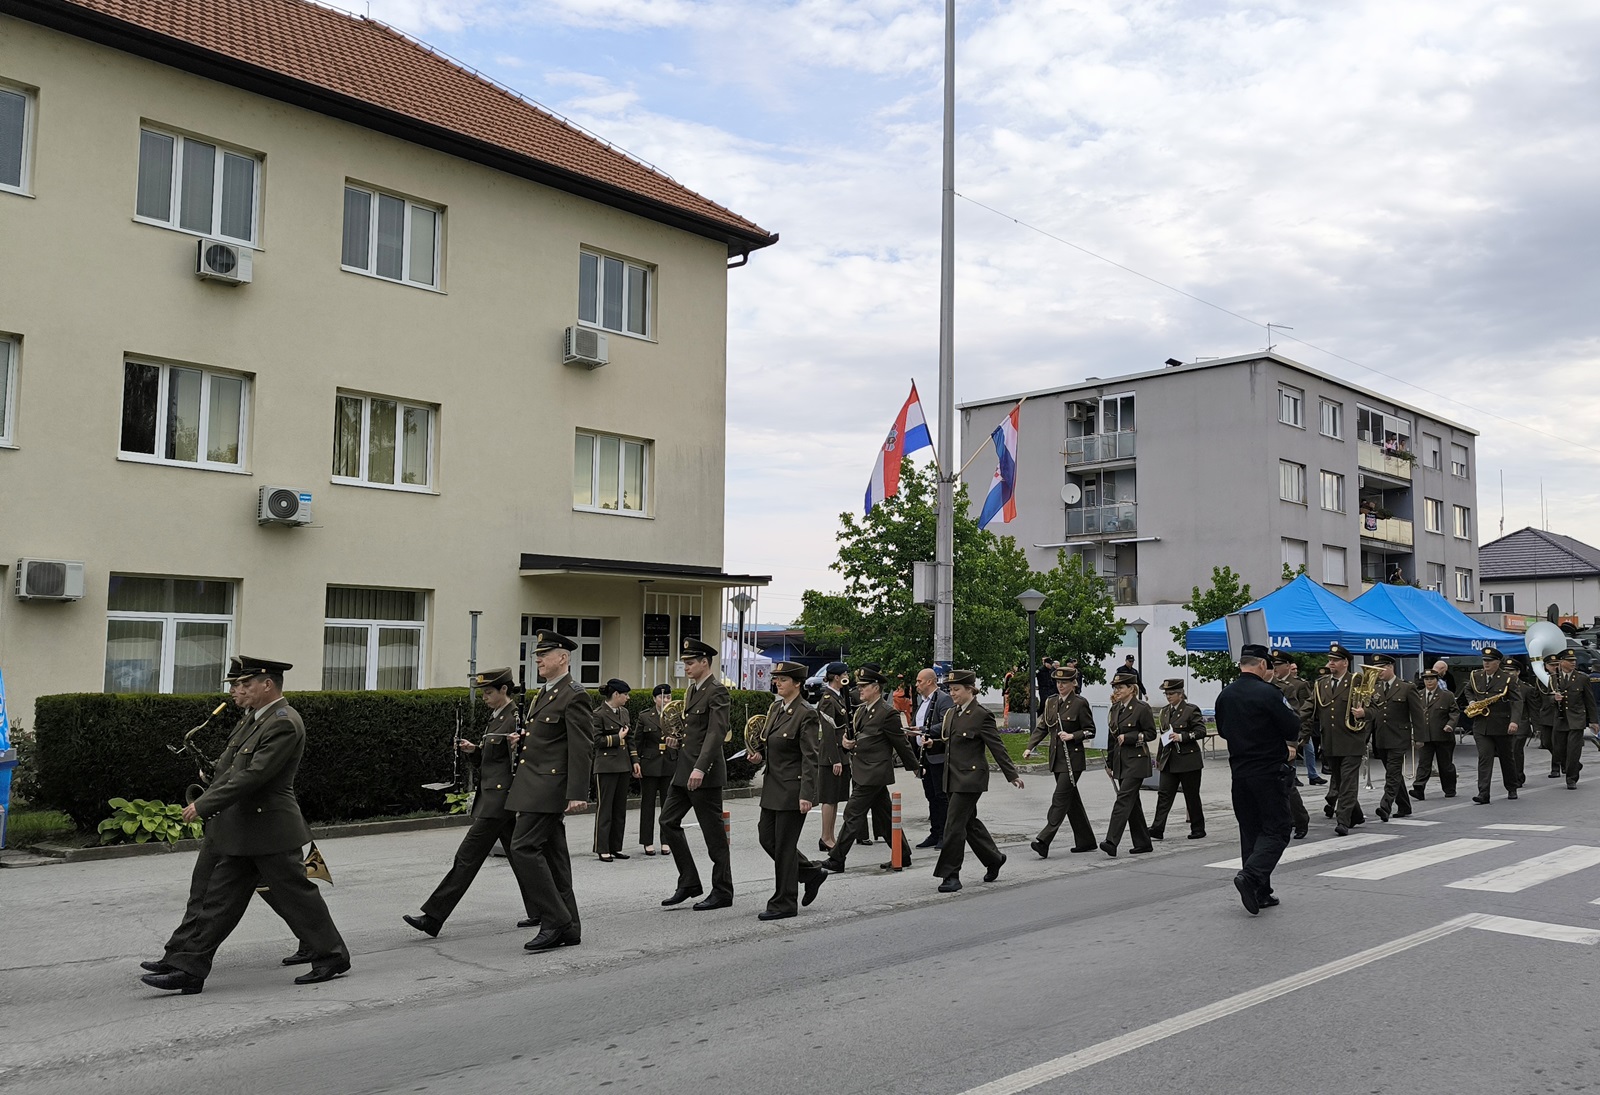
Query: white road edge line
1179,1024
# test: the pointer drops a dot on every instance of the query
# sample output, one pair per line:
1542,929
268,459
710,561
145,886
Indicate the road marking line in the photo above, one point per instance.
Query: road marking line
1296,852
1390,865
1411,821
1179,1024
1508,828
1534,929
1531,872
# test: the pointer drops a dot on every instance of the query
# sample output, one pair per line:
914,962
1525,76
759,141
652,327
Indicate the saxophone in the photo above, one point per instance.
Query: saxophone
1480,707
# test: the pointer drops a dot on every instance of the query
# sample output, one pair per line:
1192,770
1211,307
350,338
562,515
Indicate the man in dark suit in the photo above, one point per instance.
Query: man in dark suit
697,782
1044,682
1435,737
968,733
1182,732
1129,728
1258,724
1068,723
875,738
552,781
790,749
932,703
491,821
254,825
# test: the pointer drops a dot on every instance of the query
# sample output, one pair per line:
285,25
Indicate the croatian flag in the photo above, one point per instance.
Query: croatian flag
1001,504
909,434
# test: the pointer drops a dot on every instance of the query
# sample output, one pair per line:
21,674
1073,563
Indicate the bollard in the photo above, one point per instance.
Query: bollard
727,827
898,837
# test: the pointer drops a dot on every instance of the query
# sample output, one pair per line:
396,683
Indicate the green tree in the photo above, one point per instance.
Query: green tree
875,617
1226,594
1079,616
1290,573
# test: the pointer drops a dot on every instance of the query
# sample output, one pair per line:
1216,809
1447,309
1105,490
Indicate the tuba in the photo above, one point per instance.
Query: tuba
1543,639
1362,685
755,734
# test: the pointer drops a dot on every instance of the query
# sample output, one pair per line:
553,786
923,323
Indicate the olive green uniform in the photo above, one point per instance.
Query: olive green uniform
1180,763
790,753
557,746
1129,764
1491,731
879,737
1072,716
706,708
614,758
1395,710
969,732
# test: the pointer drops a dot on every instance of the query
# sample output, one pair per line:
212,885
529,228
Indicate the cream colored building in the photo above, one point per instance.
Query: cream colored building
416,258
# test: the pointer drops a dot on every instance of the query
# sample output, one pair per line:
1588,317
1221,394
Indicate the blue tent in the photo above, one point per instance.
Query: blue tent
1443,629
1303,617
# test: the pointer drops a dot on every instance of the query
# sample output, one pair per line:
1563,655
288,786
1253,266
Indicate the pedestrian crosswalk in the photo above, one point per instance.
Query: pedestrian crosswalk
1530,872
1414,860
1300,851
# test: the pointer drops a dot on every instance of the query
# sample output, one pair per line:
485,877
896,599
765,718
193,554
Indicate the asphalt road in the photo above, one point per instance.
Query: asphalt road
1418,965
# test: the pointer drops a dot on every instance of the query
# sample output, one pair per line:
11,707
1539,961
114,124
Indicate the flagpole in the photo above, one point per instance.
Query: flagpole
944,542
980,449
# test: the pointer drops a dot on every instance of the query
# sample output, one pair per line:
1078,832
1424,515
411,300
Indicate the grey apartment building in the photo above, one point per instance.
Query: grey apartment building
1251,461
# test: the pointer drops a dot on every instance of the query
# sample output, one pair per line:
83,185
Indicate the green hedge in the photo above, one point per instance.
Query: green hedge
367,753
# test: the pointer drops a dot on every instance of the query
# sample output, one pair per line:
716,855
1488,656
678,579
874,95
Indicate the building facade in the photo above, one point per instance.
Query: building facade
376,445
1254,462
1527,572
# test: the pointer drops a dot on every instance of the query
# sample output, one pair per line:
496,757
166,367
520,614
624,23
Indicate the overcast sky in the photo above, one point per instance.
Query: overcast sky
1410,184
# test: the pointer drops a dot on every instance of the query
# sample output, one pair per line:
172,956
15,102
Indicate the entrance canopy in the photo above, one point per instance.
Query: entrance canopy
1441,627
1305,618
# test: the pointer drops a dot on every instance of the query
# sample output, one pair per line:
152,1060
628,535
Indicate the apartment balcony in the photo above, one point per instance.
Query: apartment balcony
1118,518
1373,459
1391,532
1124,588
1098,448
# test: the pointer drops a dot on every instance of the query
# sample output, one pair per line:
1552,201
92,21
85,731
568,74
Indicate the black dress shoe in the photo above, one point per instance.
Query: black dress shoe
1511,793
318,974
176,981
1136,850
951,884
1267,901
1318,781
549,939
528,922
1084,847
424,923
1521,780
768,914
1572,785
1481,800
680,895
299,957
1556,774
1383,815
889,866
994,872
1109,848
812,886
1198,834
1449,794
712,902
1161,835
1340,830
1327,811
931,842
822,846
832,866
1416,793
157,967
1041,850
1300,834
619,855
865,840
1247,893
1359,819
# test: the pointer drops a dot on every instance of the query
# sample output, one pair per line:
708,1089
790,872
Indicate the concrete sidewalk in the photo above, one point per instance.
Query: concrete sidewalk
74,933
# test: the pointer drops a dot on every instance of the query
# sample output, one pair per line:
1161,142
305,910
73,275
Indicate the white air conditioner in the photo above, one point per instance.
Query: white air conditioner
1078,412
584,346
49,580
218,261
283,506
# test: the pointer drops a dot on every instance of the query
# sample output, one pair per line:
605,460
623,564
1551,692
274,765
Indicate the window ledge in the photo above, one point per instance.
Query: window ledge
612,512
9,445
139,458
620,334
400,488
198,235
16,191
360,273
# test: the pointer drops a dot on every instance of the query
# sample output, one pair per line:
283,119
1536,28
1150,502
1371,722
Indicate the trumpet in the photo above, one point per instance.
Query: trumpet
1362,686
755,734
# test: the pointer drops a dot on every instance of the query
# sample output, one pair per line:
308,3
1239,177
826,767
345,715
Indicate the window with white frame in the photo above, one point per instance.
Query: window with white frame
373,639
16,138
1502,602
1436,577
197,186
179,414
1432,455
584,663
1463,584
378,441
1333,566
1433,515
391,237
610,474
1388,431
8,390
1292,482
1462,522
615,294
1332,419
1333,491
167,634
1458,460
1294,555
1117,414
1291,406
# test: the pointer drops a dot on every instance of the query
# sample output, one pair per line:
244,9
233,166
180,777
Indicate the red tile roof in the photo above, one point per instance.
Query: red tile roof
327,51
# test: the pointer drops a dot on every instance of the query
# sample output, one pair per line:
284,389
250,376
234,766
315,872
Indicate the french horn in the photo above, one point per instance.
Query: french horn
755,734
672,723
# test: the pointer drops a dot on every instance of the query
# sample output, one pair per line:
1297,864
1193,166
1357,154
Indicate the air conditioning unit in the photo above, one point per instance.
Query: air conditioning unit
218,261
584,346
1078,412
49,580
283,506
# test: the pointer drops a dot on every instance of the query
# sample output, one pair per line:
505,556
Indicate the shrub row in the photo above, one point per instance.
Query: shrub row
367,753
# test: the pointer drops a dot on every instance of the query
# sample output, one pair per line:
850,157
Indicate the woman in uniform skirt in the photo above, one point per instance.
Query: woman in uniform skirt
833,767
656,765
615,762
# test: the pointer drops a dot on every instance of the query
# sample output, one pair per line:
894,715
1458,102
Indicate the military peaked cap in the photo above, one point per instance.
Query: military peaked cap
1254,650
1064,674
546,641
495,678
1337,650
1172,684
694,648
793,670
244,668
1491,654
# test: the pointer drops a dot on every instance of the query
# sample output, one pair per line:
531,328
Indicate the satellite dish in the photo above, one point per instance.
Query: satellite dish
1071,494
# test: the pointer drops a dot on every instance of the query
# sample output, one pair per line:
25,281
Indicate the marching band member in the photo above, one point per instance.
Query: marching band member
1068,723
875,737
833,777
1395,710
1575,714
790,750
1343,730
968,731
616,760
1493,701
1435,737
656,764
697,782
1128,728
1179,759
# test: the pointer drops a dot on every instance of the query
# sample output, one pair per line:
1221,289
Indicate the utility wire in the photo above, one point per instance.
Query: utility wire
1257,323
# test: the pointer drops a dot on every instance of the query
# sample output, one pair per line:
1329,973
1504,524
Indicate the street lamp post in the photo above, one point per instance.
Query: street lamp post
741,602
1138,626
1030,599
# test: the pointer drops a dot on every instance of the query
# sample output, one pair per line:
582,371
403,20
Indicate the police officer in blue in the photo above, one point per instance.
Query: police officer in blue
1260,728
